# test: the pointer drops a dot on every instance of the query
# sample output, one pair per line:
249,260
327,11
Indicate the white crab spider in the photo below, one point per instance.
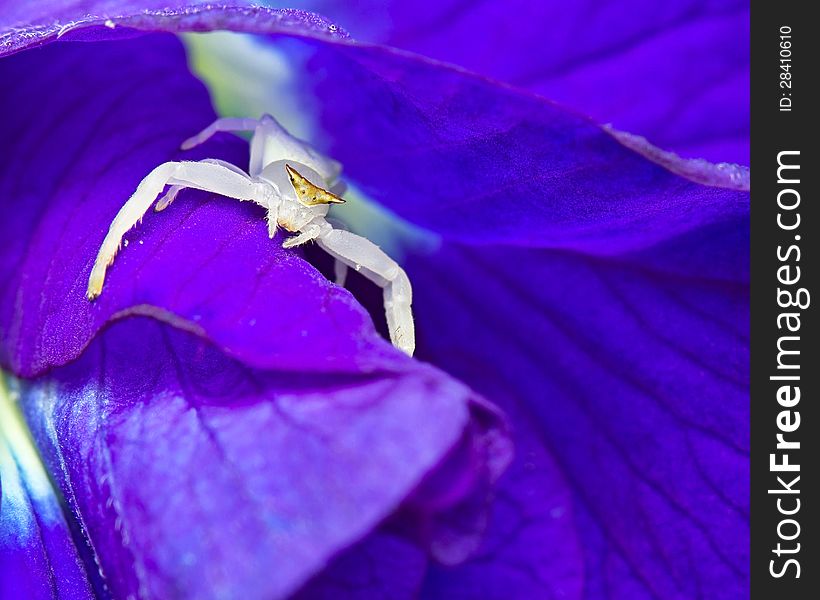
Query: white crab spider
291,181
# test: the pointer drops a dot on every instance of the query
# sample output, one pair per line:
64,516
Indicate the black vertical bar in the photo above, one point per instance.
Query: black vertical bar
785,553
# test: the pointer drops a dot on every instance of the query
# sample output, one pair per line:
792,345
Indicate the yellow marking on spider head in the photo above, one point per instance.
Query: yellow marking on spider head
309,194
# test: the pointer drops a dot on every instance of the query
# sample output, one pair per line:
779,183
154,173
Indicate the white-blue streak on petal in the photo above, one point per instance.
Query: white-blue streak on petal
247,77
364,216
37,553
24,478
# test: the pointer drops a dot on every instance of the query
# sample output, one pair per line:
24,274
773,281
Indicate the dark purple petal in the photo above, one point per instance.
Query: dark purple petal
444,142
487,145
38,559
676,72
636,380
531,547
196,476
381,566
480,163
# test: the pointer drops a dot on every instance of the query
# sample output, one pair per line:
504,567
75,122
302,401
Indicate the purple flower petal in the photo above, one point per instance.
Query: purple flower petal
381,566
635,380
676,72
641,276
532,547
480,163
31,23
195,476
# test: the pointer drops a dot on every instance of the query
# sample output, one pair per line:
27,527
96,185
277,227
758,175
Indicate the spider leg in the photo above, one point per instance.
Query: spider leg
309,232
271,142
339,268
206,176
169,196
234,125
339,272
225,124
367,258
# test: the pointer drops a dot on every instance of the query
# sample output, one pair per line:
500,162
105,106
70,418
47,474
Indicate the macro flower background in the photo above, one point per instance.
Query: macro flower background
226,422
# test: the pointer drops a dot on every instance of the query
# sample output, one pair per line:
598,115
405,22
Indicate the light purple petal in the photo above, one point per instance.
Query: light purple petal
195,476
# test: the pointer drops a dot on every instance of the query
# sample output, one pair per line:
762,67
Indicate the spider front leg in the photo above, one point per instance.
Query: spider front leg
311,231
171,195
366,257
227,124
340,272
210,177
340,269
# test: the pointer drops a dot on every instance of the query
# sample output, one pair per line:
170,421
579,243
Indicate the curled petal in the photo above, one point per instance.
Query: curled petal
193,475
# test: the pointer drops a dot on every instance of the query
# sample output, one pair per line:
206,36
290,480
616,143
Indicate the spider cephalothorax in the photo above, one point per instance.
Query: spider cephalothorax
293,183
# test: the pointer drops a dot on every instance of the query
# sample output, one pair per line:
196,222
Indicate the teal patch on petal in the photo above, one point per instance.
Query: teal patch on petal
248,77
364,216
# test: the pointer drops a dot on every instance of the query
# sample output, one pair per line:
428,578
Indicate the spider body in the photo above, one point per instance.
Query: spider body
294,184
